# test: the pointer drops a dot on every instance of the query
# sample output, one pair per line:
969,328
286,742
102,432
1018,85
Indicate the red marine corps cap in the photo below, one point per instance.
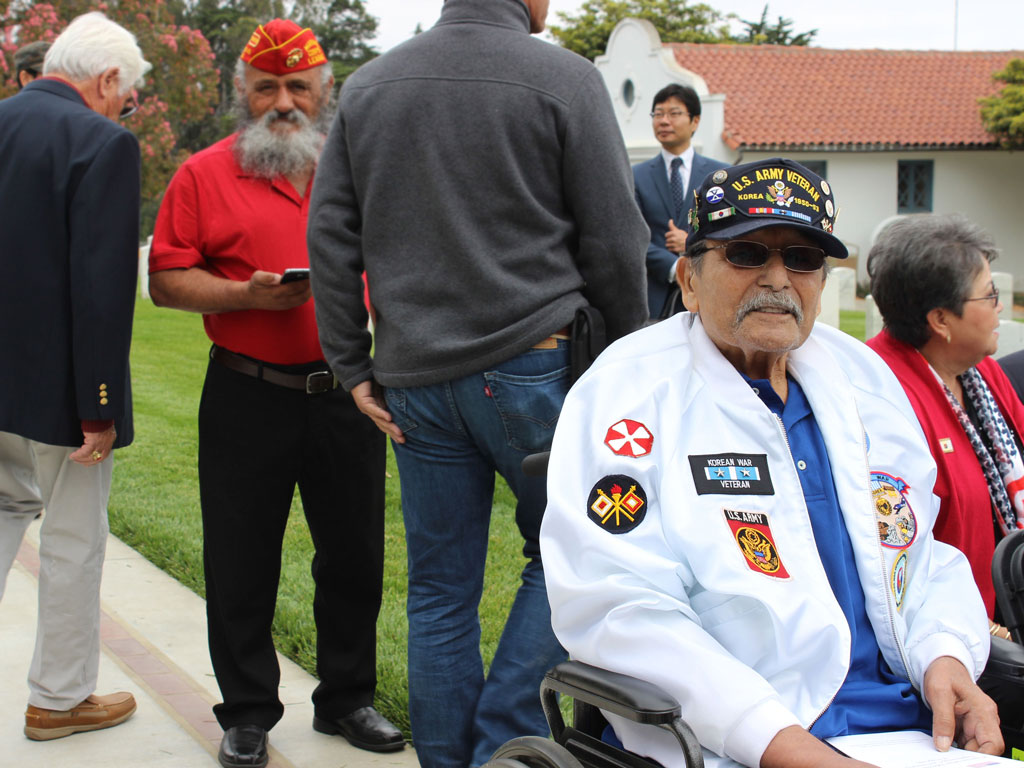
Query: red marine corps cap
281,47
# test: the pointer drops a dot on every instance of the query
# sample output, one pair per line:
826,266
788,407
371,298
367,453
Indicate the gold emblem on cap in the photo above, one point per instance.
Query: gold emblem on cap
825,188
294,57
719,176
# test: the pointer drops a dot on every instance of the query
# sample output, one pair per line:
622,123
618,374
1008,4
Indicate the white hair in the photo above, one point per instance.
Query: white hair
92,44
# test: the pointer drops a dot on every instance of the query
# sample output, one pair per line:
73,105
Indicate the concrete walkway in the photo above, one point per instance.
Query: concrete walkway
153,644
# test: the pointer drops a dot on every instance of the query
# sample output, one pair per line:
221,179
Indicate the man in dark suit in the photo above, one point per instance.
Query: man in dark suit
70,186
664,189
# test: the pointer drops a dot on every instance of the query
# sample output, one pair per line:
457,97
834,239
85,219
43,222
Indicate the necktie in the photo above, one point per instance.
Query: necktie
676,182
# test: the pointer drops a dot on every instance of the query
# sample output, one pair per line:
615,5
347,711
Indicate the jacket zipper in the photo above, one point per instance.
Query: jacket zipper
789,450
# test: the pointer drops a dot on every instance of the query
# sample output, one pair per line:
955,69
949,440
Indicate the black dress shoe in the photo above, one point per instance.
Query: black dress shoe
365,728
244,746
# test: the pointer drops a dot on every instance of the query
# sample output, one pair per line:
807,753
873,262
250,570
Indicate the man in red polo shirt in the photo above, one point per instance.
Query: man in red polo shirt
232,223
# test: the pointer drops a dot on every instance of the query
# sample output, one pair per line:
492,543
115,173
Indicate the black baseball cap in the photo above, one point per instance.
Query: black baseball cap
744,198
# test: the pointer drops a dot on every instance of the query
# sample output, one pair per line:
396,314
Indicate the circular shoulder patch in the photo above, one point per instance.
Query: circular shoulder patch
899,579
617,503
897,524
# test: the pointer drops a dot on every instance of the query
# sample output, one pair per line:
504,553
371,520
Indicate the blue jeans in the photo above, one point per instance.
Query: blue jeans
458,434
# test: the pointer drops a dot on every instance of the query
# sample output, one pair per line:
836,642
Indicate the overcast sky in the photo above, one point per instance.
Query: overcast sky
901,24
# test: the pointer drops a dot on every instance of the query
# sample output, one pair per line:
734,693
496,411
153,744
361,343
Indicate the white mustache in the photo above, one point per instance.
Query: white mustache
770,300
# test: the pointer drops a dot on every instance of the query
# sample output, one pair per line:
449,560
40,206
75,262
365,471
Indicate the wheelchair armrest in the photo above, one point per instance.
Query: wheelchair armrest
633,699
1005,659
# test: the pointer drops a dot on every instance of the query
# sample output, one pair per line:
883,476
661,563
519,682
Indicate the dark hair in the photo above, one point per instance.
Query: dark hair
684,93
695,253
923,262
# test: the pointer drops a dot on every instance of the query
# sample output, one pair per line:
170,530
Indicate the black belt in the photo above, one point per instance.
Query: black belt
313,383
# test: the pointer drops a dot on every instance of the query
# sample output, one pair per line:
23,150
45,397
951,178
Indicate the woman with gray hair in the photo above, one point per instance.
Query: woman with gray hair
931,280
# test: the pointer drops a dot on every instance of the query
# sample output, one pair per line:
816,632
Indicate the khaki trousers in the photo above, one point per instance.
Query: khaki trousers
72,543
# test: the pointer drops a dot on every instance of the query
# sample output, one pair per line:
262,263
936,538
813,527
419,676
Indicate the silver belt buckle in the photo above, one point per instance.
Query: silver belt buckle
319,382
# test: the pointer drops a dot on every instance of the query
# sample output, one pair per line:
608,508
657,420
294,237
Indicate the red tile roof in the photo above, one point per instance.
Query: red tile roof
792,97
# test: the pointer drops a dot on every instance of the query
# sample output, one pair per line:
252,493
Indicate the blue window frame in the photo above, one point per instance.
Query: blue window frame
914,186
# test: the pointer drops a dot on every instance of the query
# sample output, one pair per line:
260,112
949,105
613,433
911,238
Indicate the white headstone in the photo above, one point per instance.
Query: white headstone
1011,337
830,303
144,267
846,279
872,318
1004,284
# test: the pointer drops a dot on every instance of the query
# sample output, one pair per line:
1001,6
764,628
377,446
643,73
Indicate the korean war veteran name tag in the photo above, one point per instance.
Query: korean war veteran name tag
732,473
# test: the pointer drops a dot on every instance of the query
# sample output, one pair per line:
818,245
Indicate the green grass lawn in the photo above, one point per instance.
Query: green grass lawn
154,507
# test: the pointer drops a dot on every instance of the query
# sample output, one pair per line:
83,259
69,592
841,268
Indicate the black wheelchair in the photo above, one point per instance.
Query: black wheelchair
592,690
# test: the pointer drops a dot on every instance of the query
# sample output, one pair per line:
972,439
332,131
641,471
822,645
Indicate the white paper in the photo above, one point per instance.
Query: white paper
910,749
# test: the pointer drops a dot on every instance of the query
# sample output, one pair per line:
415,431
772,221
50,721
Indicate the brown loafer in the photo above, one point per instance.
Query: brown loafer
92,714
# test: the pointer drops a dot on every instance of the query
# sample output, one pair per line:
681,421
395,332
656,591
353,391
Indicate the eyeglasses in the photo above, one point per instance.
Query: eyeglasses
750,255
993,297
130,107
673,114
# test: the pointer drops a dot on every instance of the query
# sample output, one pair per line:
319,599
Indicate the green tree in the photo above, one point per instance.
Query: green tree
227,24
344,30
180,90
762,33
678,21
1003,114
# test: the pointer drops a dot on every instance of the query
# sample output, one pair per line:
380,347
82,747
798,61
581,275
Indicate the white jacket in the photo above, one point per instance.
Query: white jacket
747,642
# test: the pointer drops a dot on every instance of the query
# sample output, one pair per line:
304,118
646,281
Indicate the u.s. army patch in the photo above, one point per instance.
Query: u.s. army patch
753,534
617,503
734,473
897,524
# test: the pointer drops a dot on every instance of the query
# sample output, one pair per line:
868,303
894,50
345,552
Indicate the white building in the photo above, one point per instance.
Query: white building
893,131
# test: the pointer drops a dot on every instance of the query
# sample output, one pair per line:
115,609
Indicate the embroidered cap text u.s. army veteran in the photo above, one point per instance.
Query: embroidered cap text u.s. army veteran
744,198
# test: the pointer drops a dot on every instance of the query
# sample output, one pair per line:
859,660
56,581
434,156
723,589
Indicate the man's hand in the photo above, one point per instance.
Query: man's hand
96,446
367,402
795,747
675,238
961,711
266,291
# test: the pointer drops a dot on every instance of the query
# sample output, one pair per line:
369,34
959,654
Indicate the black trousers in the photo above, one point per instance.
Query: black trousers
256,441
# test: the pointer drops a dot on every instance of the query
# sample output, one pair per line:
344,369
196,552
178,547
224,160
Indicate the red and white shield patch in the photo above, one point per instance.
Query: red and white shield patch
629,438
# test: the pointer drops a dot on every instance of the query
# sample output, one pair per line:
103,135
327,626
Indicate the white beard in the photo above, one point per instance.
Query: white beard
268,153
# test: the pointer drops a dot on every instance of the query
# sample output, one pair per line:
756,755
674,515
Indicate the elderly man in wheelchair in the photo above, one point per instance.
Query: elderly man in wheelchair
740,511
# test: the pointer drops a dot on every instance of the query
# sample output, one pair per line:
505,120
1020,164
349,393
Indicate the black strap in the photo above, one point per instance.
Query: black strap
588,340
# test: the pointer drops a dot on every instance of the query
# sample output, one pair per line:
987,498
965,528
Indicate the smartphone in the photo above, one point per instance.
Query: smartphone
291,275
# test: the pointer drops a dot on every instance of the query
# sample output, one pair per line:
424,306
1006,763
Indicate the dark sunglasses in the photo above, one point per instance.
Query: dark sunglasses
751,255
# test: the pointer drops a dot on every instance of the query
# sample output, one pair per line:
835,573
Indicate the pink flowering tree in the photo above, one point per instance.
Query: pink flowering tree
179,93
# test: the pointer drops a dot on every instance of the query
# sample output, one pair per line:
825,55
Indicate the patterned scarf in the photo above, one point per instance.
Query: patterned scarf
1003,468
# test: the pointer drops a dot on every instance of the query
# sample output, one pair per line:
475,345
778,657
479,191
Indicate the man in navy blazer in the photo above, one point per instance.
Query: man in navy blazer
68,266
664,189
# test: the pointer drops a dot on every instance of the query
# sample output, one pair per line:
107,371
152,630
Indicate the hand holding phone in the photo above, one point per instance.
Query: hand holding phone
291,275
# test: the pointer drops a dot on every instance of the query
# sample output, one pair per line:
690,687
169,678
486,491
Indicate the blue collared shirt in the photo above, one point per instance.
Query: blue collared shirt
871,698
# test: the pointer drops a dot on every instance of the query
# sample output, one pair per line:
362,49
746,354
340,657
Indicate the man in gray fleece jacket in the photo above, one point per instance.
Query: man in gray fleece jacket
479,178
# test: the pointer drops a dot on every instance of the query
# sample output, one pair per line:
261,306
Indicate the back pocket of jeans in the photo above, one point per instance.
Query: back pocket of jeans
529,406
394,398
